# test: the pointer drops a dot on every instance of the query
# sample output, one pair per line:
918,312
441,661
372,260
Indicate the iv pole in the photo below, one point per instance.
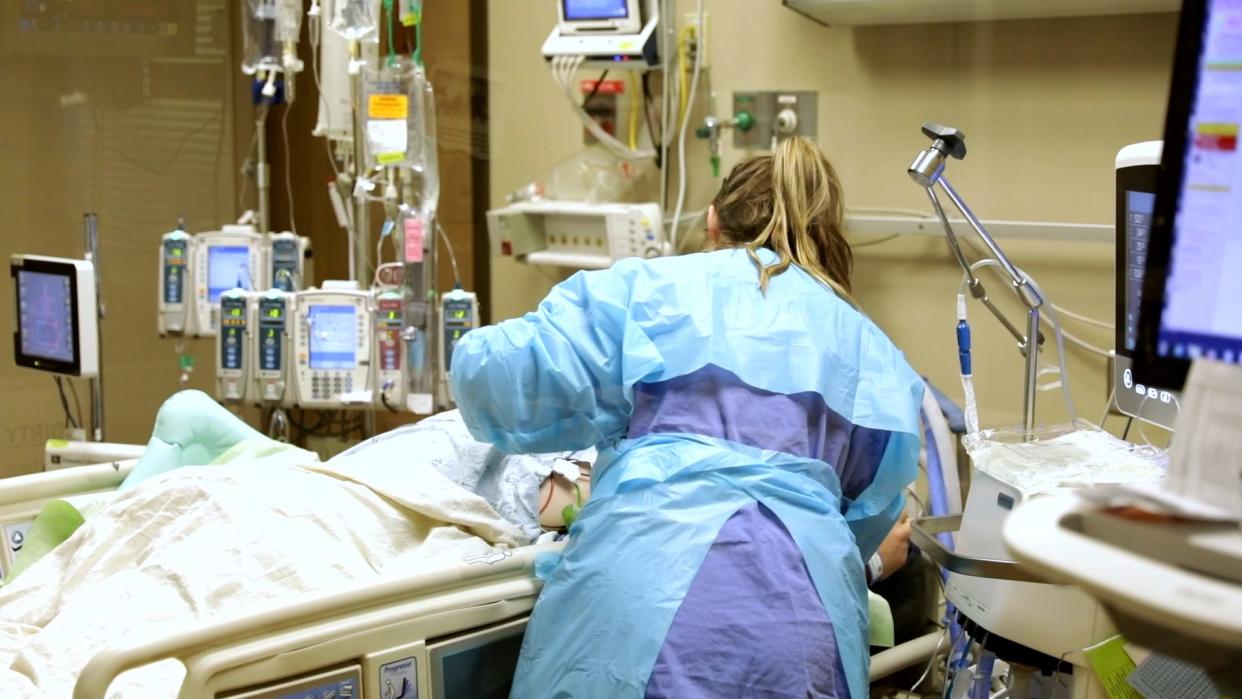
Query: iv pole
927,171
90,230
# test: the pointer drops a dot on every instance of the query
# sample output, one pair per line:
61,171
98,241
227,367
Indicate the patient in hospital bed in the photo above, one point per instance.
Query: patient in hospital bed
180,544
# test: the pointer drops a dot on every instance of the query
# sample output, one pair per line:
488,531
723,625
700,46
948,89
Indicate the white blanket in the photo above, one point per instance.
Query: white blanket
206,541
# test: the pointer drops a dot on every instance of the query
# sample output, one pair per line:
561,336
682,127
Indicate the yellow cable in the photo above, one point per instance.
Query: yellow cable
633,89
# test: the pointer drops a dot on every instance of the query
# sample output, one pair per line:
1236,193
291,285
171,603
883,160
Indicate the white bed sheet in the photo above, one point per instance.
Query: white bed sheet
204,541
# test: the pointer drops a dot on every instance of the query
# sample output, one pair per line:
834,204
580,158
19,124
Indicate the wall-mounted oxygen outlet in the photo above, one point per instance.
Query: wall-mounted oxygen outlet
776,115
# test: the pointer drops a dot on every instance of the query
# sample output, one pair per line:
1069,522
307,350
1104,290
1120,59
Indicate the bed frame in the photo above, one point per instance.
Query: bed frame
361,636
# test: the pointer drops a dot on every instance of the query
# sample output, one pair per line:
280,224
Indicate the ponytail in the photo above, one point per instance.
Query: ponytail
794,207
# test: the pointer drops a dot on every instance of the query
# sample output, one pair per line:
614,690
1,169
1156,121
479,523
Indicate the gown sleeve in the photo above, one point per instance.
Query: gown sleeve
555,379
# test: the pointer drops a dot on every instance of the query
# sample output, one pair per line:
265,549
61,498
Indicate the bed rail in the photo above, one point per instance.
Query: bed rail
63,482
345,611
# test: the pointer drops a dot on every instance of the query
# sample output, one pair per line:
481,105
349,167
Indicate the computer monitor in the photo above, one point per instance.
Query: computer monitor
1192,290
57,322
1138,167
607,16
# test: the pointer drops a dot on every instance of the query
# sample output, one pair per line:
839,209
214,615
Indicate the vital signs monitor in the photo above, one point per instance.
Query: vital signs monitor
332,346
1135,394
1193,283
57,320
612,16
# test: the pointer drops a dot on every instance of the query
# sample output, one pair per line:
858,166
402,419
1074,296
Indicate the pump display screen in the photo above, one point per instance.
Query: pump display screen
333,337
228,267
45,323
595,9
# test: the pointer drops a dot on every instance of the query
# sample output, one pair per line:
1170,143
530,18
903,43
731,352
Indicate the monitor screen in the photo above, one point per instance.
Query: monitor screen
481,672
1202,316
228,267
1139,207
579,10
333,337
45,305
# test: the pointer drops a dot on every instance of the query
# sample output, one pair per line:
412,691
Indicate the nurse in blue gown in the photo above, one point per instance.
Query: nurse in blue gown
755,429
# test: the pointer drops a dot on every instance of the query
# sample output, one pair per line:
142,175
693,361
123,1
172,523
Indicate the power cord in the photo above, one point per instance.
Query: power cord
70,420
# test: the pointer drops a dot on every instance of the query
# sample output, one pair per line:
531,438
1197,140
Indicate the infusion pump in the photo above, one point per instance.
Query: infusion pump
270,314
231,258
195,270
233,353
332,347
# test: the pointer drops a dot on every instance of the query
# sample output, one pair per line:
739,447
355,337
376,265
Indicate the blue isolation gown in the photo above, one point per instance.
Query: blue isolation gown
753,452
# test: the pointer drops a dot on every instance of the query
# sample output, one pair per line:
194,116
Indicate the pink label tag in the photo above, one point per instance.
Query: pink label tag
413,240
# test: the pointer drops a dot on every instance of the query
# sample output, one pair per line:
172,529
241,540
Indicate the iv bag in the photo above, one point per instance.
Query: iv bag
427,167
1062,456
355,20
288,20
336,111
261,48
400,122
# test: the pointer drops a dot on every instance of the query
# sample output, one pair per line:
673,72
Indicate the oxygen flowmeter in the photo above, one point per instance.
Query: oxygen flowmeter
232,352
270,346
175,248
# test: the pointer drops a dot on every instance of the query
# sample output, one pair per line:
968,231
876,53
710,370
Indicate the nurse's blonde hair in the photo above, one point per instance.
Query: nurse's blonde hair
791,203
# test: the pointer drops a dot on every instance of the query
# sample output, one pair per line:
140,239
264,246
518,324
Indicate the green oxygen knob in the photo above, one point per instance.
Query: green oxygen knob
744,121
703,132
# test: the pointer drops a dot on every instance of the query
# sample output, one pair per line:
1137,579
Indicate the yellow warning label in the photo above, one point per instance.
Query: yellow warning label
388,106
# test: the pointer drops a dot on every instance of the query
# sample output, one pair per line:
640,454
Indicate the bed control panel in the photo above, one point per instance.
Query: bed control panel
343,683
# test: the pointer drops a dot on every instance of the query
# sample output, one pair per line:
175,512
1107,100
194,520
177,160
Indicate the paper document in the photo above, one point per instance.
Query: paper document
1206,460
1112,666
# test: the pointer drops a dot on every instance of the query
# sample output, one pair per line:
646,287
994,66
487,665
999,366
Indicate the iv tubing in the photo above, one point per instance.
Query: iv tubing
681,140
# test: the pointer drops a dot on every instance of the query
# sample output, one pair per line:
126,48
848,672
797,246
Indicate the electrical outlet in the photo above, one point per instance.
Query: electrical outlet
700,36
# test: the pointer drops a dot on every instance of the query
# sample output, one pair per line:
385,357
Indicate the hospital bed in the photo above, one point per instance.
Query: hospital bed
446,633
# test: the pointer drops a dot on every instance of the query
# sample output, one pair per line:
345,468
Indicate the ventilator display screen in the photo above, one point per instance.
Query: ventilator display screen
45,315
1202,315
228,267
333,337
595,9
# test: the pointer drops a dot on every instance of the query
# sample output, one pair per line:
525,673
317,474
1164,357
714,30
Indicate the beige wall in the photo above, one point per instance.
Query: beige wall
140,141
1046,105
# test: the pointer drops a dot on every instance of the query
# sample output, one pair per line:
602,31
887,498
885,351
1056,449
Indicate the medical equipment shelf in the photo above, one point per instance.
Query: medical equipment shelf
924,530
320,627
1154,601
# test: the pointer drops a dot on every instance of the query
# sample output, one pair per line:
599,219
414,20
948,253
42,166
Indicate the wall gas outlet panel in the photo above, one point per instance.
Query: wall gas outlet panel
777,115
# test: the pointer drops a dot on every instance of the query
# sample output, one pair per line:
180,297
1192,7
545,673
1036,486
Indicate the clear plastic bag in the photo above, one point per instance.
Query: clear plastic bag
355,20
1062,456
261,48
593,175
400,117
